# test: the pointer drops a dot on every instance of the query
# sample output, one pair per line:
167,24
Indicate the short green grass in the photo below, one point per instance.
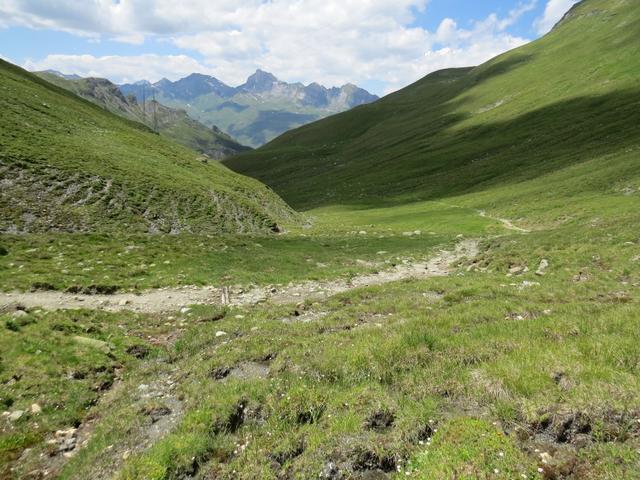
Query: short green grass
484,357
476,371
480,448
494,372
337,243
69,165
63,362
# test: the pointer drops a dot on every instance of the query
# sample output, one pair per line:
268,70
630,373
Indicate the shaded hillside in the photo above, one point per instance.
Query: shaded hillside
169,122
69,165
568,99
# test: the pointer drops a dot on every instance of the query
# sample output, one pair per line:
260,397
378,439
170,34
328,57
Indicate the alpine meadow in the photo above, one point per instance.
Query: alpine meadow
442,283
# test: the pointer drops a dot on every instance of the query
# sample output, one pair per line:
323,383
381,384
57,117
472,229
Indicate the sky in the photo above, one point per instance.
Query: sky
380,45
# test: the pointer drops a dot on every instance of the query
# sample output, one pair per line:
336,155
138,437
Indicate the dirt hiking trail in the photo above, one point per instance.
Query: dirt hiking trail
506,223
173,299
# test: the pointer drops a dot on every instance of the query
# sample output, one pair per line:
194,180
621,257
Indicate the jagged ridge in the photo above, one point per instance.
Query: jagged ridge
256,111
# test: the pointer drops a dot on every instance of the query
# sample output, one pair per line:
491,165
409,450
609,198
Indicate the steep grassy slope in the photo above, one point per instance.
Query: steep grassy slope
68,165
563,101
171,123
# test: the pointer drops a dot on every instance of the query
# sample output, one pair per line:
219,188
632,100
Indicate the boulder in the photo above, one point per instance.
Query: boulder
92,342
16,415
544,264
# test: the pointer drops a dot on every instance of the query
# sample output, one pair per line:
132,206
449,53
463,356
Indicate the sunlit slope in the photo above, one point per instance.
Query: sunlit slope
171,123
68,165
570,100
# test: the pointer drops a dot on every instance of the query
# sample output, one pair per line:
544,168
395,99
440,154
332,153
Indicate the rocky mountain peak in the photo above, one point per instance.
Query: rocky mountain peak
260,81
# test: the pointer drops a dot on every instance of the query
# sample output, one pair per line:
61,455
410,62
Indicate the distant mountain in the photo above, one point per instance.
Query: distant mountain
193,86
170,122
258,110
62,75
261,82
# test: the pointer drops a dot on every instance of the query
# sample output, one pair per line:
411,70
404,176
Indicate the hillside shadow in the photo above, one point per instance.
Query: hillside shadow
447,162
441,91
506,65
542,142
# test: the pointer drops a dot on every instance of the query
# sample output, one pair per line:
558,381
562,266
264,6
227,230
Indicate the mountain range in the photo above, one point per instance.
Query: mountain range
258,110
173,123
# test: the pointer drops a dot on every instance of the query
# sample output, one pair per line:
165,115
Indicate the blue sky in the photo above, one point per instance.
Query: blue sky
467,11
381,45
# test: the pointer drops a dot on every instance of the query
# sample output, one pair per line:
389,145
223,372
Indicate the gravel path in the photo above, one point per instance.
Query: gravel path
506,223
173,299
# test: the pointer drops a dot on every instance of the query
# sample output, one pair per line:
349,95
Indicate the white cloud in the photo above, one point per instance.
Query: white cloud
329,41
459,48
132,39
553,12
516,13
121,69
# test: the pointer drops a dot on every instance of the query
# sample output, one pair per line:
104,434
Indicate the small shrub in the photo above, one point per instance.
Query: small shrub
12,325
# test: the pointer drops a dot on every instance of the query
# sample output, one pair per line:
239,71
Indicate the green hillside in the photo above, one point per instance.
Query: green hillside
510,193
568,100
171,123
68,165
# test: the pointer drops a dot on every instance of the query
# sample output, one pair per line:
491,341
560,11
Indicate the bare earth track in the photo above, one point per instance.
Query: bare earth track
506,223
172,299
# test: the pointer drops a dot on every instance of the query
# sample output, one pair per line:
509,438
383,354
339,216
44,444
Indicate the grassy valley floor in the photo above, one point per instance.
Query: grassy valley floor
522,363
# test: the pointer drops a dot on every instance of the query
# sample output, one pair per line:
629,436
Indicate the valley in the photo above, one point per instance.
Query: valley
258,110
442,284
491,348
